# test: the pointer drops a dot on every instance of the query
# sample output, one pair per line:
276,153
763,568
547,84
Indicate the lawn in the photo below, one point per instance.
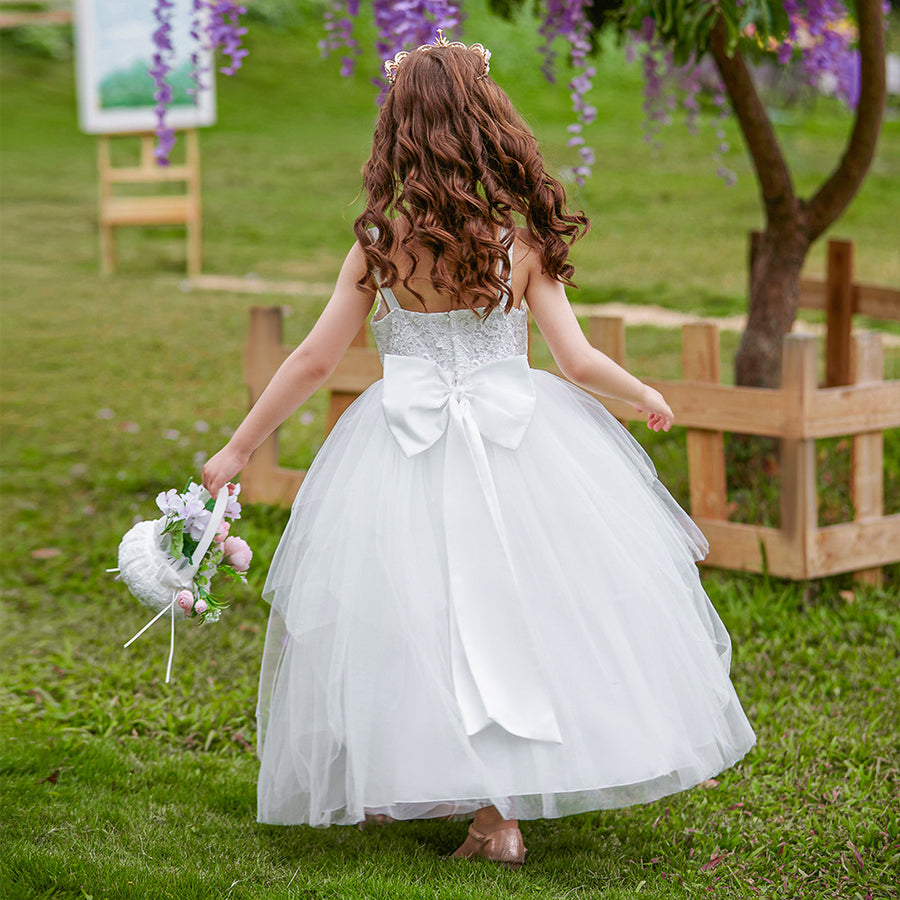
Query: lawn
116,785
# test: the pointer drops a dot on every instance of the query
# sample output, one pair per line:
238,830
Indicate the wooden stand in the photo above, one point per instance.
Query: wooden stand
16,13
166,209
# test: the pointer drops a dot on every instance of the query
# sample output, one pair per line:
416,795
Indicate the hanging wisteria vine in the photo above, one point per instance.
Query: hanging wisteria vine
410,24
404,25
669,86
568,19
821,37
815,35
162,90
399,25
817,38
215,26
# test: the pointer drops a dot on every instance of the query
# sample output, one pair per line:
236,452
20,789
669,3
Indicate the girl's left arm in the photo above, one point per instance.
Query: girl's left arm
301,374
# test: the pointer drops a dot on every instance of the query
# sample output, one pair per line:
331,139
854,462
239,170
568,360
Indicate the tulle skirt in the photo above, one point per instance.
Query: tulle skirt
357,707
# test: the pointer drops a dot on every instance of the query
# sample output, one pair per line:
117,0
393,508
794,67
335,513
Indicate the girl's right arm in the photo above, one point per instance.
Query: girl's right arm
577,359
301,374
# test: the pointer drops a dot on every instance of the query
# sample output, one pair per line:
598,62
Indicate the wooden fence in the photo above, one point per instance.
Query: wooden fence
842,297
798,413
855,402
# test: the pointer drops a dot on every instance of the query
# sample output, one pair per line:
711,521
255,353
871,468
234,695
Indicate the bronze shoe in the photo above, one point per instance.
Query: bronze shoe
503,845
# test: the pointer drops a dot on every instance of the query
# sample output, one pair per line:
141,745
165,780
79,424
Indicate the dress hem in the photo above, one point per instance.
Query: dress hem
465,809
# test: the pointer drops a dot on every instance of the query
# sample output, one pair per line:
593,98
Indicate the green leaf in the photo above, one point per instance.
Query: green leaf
176,538
189,545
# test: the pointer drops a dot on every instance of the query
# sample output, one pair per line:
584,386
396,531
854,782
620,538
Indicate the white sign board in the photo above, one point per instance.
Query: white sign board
114,49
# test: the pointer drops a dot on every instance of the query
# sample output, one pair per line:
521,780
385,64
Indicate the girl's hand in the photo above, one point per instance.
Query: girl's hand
222,468
659,416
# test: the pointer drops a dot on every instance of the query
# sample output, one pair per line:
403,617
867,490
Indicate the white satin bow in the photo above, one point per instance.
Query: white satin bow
497,673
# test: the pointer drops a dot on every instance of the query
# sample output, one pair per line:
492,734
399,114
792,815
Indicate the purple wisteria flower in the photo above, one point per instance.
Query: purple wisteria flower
568,19
410,24
215,25
339,22
162,64
819,39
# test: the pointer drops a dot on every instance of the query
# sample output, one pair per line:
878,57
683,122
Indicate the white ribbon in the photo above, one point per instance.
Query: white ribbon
215,520
497,674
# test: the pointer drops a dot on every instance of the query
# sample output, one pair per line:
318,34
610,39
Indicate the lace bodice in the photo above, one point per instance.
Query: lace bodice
458,341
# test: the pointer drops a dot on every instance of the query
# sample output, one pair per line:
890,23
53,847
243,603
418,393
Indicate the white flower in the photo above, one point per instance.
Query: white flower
233,508
195,498
196,525
171,503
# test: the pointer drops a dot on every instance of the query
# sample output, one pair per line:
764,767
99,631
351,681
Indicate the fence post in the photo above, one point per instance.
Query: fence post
867,450
261,360
705,449
799,509
839,312
340,400
607,334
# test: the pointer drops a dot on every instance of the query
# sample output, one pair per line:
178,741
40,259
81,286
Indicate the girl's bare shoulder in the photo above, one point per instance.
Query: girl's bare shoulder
526,249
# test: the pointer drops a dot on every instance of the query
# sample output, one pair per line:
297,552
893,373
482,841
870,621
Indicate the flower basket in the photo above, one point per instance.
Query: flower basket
168,563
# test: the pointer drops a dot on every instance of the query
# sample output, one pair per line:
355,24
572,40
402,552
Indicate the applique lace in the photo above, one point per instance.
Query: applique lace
458,340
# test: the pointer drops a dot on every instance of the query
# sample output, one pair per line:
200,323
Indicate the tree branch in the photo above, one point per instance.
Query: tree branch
843,183
772,173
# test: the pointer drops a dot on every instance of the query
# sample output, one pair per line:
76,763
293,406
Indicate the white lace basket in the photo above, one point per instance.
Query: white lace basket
154,577
147,569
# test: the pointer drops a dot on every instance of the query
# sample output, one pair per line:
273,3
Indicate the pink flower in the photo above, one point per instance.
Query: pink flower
222,533
238,552
185,599
200,607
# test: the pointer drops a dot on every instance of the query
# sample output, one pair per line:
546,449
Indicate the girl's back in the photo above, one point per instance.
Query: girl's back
484,602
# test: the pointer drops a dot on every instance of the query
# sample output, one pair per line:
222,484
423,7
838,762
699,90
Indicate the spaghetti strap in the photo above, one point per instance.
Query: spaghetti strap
512,244
390,301
387,294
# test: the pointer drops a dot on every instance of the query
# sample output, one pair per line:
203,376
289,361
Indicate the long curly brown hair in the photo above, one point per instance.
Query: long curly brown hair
453,158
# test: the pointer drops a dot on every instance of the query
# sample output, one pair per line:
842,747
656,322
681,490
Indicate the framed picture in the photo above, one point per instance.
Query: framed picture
113,51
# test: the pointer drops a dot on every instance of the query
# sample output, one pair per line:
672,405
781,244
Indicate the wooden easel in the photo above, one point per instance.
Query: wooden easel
39,12
165,209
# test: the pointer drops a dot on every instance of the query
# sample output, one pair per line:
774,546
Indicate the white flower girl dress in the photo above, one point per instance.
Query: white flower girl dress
485,596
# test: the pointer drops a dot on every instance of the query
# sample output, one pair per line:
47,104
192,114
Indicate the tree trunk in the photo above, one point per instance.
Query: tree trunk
775,269
793,224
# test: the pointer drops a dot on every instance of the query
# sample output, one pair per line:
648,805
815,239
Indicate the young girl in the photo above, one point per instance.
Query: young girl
485,603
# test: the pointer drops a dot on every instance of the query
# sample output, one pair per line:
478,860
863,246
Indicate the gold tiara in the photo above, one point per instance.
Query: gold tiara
390,65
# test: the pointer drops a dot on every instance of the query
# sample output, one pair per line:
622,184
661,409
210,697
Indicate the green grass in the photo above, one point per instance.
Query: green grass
154,793
116,785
